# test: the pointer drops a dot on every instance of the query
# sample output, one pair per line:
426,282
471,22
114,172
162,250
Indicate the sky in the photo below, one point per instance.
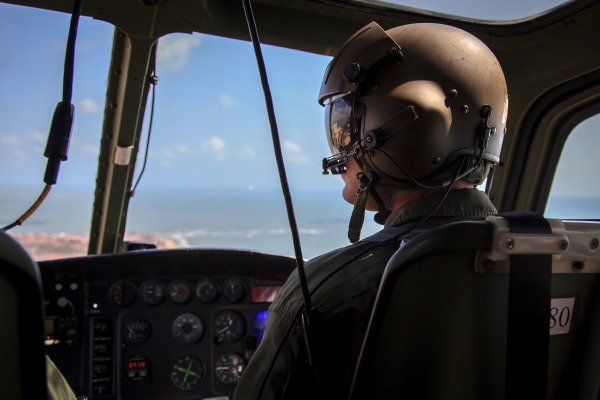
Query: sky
210,109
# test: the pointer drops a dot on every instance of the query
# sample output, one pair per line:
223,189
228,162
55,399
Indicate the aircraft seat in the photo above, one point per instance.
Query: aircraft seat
22,351
505,308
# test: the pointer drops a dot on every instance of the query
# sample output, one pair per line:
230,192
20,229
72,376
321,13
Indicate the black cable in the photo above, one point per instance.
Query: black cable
57,146
424,186
70,52
153,81
308,313
277,148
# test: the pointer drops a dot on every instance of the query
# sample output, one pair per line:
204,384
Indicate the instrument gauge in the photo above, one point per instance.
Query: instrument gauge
230,326
233,290
152,293
187,328
188,372
207,291
179,291
139,369
122,293
229,368
137,331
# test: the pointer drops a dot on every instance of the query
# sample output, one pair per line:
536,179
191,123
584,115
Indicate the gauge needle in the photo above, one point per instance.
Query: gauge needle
229,323
187,371
223,330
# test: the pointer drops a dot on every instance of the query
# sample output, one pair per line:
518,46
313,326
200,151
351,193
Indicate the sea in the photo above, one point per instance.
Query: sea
223,218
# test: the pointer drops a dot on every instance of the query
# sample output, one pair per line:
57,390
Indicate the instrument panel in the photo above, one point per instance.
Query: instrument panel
159,324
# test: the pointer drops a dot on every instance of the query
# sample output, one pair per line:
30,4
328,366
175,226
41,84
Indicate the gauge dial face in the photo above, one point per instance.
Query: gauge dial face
229,368
233,290
137,332
207,291
180,292
188,372
122,293
230,326
187,328
152,293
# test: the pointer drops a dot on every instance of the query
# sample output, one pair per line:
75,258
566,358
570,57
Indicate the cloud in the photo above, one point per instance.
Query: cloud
88,106
248,151
216,147
39,137
227,101
174,51
16,146
10,139
21,155
89,149
166,155
294,152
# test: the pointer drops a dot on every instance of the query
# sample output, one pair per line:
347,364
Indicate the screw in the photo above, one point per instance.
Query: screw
487,266
453,93
464,109
510,244
563,244
594,244
577,266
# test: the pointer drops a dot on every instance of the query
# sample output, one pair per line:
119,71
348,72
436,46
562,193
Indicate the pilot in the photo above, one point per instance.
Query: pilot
415,118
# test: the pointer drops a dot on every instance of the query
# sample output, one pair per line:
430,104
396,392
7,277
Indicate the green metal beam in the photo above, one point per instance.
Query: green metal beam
128,85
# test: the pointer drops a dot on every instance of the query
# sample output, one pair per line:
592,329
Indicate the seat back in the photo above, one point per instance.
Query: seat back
22,352
440,324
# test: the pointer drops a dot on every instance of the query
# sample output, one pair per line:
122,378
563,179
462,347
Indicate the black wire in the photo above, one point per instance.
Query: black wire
70,53
277,148
153,79
150,123
424,186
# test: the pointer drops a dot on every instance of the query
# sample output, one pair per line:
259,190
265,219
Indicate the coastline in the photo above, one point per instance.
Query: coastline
50,246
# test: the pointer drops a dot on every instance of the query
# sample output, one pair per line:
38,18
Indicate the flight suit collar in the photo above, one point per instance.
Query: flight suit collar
469,202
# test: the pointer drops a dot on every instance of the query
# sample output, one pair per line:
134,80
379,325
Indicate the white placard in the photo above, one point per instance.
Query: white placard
561,315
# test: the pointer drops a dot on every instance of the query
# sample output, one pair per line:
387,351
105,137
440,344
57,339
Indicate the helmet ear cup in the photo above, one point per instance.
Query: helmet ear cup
414,141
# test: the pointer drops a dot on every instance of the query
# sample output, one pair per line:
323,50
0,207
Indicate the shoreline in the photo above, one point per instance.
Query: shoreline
51,246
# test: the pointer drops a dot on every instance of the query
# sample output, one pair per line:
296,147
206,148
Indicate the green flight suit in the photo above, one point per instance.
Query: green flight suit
343,284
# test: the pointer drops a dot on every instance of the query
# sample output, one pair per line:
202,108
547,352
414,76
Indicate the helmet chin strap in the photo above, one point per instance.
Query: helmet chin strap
366,188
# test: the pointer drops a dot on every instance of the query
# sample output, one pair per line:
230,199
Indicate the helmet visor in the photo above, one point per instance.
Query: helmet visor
340,124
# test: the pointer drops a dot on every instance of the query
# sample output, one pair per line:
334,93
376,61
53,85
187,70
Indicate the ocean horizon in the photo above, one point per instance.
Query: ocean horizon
245,219
225,218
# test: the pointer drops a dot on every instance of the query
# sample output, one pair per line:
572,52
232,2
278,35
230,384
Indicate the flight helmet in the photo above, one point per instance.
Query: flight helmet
416,105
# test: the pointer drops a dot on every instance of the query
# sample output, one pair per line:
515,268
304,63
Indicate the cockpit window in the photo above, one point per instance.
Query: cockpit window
576,187
33,43
211,178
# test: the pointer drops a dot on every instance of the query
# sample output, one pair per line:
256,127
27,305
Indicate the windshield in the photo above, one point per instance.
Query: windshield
210,179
